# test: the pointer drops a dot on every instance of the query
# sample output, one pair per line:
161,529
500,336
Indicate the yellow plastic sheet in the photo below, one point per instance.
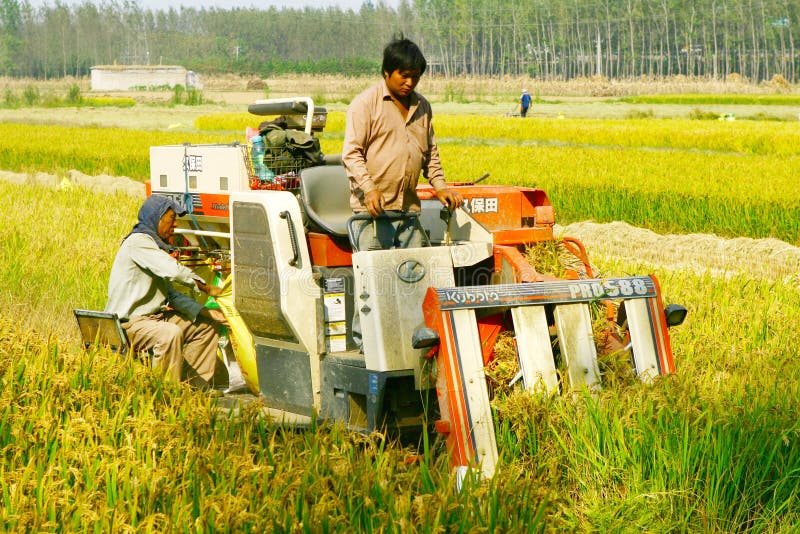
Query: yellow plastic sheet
239,335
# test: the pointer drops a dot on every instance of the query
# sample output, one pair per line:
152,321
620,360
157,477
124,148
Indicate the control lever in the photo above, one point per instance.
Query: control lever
446,215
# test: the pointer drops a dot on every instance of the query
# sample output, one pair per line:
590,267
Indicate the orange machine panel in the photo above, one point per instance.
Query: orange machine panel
211,204
500,207
214,205
328,252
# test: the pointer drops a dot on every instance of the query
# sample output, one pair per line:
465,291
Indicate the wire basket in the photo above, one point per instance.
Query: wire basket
283,164
286,167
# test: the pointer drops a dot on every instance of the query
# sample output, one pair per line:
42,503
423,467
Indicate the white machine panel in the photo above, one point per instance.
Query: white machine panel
534,349
209,169
645,351
390,286
574,325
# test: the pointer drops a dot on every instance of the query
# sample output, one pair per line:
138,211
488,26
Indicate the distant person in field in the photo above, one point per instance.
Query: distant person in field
524,103
180,332
388,141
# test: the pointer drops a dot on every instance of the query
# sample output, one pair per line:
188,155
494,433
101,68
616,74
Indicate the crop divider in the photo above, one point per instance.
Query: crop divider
466,415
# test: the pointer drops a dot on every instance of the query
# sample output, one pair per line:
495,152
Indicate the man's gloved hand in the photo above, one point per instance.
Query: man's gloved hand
211,290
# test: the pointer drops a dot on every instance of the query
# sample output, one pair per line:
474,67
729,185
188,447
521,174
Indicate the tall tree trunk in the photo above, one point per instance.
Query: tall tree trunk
632,50
755,55
715,56
582,53
609,44
666,36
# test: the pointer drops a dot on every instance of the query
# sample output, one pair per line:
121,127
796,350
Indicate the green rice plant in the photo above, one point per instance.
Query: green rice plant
10,98
194,97
31,95
761,116
177,94
454,93
74,94
319,98
641,114
701,115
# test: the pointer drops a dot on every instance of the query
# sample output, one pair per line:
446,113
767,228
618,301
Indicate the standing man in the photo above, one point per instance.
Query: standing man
180,332
388,141
524,103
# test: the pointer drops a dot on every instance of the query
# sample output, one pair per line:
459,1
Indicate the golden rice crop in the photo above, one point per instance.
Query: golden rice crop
114,151
645,173
238,122
115,101
676,192
231,122
56,251
736,100
746,137
639,171
95,442
92,441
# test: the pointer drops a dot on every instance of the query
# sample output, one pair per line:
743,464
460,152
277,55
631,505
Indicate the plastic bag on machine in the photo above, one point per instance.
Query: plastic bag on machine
240,337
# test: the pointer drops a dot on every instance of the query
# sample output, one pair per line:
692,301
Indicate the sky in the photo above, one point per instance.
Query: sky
227,4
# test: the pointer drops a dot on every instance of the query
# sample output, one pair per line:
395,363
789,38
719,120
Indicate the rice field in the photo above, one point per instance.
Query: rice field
91,442
736,100
670,175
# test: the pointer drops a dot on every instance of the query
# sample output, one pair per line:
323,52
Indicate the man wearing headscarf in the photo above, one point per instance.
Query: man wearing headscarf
179,331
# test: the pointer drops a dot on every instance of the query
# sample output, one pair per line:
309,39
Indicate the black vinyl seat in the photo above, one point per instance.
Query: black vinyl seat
325,195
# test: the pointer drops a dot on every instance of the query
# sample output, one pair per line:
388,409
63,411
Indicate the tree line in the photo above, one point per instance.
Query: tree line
549,39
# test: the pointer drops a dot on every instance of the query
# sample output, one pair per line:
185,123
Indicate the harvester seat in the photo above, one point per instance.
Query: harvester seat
325,195
101,328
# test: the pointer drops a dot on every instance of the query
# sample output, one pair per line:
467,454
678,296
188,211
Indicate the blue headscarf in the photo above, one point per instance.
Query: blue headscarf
149,216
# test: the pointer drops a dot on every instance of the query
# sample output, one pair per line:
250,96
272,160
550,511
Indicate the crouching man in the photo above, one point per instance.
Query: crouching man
180,332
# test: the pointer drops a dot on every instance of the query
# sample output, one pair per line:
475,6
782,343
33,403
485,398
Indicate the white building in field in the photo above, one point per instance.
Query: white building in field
127,77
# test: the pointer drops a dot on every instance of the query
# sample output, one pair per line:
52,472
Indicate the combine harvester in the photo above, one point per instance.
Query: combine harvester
429,316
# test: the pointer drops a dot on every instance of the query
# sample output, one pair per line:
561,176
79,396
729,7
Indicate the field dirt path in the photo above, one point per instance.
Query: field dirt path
103,183
770,259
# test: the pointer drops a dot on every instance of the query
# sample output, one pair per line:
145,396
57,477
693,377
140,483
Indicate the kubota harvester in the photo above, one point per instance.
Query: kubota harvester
428,316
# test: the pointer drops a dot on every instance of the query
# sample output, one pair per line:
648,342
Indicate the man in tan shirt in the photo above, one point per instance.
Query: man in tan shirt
388,141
